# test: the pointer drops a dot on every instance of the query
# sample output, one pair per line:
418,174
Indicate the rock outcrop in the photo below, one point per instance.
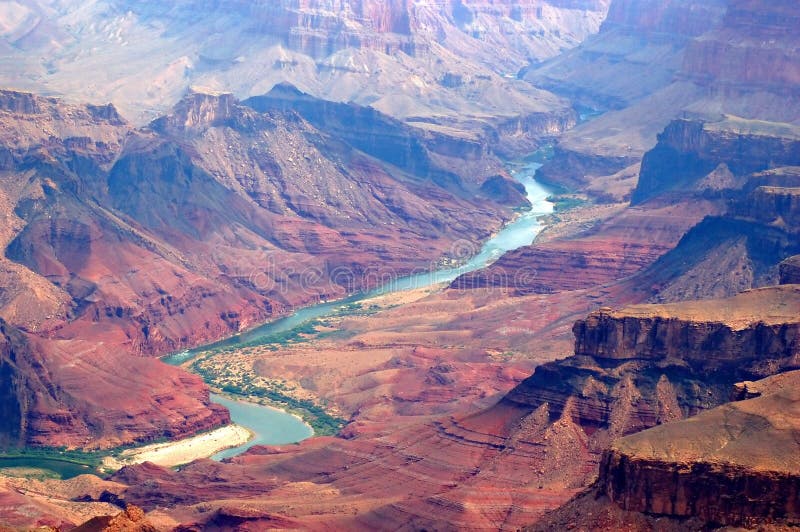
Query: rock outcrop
613,249
132,519
448,67
736,465
649,364
735,179
46,400
690,150
741,249
790,270
663,60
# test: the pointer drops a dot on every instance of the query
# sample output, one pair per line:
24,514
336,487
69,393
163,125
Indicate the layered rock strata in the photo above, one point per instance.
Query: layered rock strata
736,465
649,364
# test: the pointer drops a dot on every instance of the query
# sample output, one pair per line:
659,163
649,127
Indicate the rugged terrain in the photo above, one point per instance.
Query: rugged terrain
468,406
736,466
670,60
506,465
123,241
447,66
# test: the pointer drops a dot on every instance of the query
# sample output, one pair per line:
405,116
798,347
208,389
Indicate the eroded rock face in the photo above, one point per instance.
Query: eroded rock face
764,32
719,58
689,150
734,465
447,67
648,364
790,270
46,401
735,172
614,249
741,249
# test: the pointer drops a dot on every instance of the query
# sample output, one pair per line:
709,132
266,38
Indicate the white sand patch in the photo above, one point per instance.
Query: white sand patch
170,454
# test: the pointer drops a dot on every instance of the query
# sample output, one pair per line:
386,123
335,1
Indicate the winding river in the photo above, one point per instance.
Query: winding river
273,426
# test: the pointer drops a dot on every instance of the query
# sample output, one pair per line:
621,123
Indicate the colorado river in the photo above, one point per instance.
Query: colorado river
276,426
271,426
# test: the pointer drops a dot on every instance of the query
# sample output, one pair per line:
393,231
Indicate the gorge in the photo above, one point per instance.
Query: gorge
338,171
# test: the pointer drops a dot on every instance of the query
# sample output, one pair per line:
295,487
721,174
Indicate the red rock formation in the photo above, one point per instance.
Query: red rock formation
211,220
448,67
736,465
741,249
718,257
648,364
131,520
754,47
721,58
689,150
614,249
507,465
46,400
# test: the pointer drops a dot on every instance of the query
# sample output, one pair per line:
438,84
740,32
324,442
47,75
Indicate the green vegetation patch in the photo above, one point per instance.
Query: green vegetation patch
566,202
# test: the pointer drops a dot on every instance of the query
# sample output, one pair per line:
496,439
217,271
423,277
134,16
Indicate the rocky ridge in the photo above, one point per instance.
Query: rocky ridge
139,241
704,65
448,67
731,467
735,465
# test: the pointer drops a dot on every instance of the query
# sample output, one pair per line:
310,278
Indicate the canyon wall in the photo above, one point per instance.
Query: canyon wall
736,465
448,67
689,150
648,364
713,213
790,270
666,60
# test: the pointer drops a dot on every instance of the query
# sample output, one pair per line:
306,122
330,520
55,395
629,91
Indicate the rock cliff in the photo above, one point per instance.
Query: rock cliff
689,150
448,67
790,270
736,465
506,465
648,364
666,59
46,400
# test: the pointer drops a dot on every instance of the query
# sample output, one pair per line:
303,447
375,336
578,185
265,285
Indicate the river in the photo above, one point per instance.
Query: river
273,426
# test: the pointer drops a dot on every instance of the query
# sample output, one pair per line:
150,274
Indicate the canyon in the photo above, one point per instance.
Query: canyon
448,67
155,239
634,367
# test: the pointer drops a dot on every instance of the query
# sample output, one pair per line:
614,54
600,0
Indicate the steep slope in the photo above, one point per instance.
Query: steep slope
647,364
718,192
505,466
713,67
733,466
142,241
46,401
736,464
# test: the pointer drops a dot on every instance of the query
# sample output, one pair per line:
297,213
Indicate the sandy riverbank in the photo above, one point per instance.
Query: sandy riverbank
174,453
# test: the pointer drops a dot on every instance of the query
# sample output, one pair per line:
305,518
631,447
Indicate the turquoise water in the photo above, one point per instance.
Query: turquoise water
518,233
270,425
62,468
275,427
